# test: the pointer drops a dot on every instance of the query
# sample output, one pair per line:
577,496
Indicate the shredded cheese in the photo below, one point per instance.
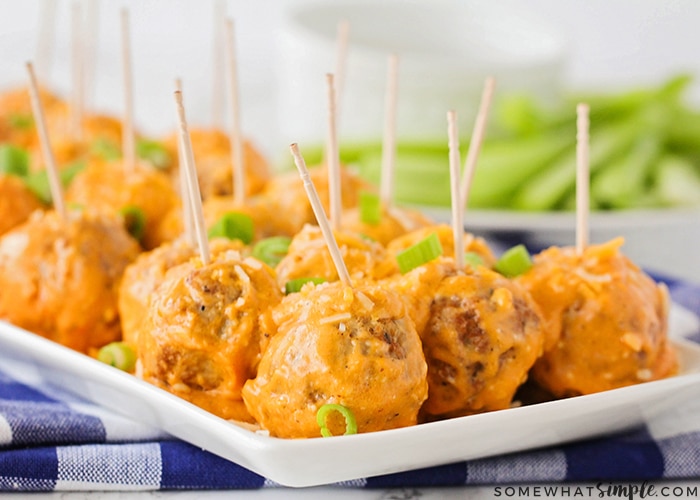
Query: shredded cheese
365,301
336,318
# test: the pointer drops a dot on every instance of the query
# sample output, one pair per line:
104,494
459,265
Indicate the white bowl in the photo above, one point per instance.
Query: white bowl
446,50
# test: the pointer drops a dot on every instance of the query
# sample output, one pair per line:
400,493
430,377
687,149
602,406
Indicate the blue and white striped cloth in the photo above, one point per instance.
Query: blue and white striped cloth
56,442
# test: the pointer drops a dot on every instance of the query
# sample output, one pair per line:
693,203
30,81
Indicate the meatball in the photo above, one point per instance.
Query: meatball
17,120
482,336
607,321
63,275
339,345
143,276
205,328
212,155
214,208
288,197
308,256
394,222
111,187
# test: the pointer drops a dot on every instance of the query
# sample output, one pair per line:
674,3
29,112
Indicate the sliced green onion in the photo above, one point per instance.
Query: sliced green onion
422,252
134,221
370,208
154,153
38,182
21,121
514,262
473,259
118,355
105,149
293,286
322,414
234,226
13,160
272,250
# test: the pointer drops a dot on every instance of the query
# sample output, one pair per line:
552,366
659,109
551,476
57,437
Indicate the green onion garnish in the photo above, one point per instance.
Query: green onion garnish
234,226
38,182
21,121
416,255
293,286
350,422
272,250
118,355
370,208
514,262
134,221
13,160
154,153
473,259
105,149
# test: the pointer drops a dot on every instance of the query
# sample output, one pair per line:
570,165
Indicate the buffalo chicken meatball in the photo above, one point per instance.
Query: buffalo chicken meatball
205,329
335,344
607,321
62,275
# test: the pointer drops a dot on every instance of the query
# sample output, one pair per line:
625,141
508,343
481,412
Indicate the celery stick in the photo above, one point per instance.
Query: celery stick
420,178
504,166
683,132
622,183
605,106
549,189
677,182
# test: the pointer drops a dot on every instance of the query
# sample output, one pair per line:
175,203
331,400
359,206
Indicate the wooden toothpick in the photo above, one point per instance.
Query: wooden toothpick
235,134
457,211
193,190
78,71
128,139
321,218
187,218
217,91
582,177
386,188
333,157
476,140
46,151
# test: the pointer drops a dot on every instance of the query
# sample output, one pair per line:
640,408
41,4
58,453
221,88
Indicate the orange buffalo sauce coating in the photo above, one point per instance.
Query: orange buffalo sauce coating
17,202
393,222
607,321
334,344
212,156
17,120
481,333
112,186
205,328
214,208
61,277
143,276
290,204
308,256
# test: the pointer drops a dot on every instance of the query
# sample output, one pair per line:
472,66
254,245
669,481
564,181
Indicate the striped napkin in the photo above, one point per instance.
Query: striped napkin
53,441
